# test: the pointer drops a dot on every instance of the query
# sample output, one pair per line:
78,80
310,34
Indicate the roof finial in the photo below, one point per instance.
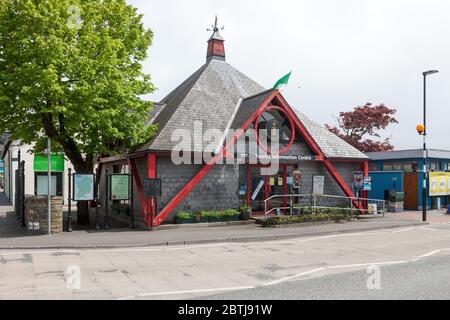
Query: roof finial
216,48
215,26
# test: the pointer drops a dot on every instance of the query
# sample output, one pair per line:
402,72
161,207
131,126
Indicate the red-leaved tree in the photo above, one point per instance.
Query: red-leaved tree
358,126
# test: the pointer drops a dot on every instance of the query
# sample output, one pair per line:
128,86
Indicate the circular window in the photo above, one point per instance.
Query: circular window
275,126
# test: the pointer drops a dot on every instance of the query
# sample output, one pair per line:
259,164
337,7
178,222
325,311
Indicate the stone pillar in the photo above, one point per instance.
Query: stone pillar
37,214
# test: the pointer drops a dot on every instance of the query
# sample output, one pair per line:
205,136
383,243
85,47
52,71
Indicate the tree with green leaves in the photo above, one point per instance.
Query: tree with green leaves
72,70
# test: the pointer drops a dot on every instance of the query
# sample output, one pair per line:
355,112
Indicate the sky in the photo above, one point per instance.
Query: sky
342,54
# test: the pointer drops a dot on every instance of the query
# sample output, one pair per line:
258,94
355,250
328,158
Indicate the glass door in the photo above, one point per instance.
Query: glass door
276,187
257,189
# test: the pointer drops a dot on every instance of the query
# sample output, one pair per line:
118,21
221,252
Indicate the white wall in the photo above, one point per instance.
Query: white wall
11,164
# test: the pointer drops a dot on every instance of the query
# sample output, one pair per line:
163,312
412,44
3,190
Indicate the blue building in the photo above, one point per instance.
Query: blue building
402,171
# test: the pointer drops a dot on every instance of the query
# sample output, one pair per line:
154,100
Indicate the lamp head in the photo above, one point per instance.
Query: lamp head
420,129
427,73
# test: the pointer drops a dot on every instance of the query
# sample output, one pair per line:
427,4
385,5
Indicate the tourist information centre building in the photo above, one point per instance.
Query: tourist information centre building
220,98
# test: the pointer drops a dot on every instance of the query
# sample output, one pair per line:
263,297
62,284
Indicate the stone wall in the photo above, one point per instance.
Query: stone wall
36,211
219,188
331,187
217,191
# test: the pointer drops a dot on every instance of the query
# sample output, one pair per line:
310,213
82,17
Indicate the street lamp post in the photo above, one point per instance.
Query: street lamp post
424,133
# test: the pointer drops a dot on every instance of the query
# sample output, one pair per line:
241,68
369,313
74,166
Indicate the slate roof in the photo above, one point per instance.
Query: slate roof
209,96
220,97
331,145
247,107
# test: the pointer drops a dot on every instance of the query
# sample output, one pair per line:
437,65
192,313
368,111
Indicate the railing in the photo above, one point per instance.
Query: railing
314,201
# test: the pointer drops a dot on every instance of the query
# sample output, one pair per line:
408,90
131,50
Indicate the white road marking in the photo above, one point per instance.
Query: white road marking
293,276
170,293
428,228
288,278
403,230
384,263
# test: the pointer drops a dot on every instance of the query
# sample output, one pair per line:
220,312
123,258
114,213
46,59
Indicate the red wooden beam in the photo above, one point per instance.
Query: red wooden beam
365,170
139,189
316,149
151,174
207,167
301,128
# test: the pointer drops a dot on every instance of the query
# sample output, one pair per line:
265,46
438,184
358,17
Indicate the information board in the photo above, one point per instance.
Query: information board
152,188
296,177
318,184
119,187
439,183
358,181
367,185
83,187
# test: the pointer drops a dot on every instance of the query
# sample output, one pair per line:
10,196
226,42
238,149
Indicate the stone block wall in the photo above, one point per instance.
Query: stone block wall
219,188
36,210
217,191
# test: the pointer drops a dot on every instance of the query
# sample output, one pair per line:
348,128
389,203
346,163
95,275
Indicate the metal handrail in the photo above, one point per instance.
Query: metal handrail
314,203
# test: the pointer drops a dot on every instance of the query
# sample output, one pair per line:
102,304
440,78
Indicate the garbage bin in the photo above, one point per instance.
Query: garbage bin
396,200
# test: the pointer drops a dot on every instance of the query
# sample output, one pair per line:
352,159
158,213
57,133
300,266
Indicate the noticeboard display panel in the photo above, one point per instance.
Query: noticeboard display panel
83,187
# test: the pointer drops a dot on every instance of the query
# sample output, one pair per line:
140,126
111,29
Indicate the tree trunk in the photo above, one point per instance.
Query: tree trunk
83,213
83,206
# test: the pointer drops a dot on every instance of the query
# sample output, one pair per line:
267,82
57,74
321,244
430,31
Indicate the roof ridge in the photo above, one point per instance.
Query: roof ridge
257,94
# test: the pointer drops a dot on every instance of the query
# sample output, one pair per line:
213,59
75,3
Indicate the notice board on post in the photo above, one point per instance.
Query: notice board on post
439,183
152,188
318,185
119,185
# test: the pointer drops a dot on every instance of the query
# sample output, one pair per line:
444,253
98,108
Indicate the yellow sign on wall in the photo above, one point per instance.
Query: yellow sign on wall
439,184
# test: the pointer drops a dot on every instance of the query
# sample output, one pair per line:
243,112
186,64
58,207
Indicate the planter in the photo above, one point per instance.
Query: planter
232,218
184,220
121,209
216,219
245,215
200,219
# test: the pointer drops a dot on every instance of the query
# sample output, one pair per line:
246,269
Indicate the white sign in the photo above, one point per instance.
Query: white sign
318,184
258,189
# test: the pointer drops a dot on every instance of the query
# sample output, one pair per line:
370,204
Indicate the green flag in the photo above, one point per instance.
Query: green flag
282,82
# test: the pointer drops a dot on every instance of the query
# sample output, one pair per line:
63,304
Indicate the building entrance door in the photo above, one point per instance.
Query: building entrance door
276,187
264,186
410,187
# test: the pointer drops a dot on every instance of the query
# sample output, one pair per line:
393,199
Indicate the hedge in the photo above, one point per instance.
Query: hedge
214,215
282,220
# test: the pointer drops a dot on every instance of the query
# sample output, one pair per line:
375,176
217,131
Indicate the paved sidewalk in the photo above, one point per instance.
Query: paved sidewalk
13,236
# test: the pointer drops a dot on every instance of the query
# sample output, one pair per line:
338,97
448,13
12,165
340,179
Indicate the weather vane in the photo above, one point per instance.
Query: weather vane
215,27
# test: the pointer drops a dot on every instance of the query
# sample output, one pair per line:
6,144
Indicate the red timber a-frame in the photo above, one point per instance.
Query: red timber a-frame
148,206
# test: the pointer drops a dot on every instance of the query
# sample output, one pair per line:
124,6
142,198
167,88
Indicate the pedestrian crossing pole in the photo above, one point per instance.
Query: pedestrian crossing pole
49,185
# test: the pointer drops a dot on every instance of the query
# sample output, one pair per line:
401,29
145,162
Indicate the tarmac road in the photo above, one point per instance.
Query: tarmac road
423,279
413,263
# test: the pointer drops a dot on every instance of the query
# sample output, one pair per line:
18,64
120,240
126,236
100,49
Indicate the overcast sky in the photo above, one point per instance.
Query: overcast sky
342,53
